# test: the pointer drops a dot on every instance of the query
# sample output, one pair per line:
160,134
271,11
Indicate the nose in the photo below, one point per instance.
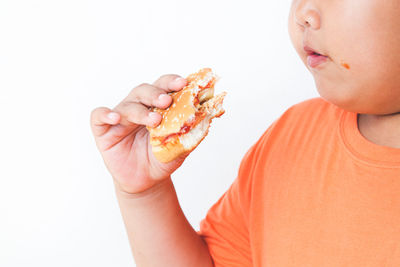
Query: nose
307,15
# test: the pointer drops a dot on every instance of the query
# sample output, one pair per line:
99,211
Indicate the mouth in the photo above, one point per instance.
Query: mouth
310,51
314,58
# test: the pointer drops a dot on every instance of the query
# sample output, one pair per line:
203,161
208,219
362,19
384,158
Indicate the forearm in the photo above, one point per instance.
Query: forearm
158,231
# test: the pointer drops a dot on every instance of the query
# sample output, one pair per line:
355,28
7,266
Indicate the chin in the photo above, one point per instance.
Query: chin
341,96
357,102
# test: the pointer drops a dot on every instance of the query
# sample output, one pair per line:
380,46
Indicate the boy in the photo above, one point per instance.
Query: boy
321,187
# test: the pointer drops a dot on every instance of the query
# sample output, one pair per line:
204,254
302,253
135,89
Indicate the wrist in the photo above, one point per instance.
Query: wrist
156,189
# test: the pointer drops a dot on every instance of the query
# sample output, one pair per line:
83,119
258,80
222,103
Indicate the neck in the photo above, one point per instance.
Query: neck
383,130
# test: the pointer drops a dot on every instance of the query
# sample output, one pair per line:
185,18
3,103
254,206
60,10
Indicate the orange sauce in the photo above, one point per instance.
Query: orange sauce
347,66
185,128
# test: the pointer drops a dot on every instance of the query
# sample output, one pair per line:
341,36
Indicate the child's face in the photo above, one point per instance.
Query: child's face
361,39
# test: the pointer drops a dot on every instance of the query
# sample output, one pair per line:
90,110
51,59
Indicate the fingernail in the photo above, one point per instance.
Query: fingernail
112,116
179,80
153,116
163,97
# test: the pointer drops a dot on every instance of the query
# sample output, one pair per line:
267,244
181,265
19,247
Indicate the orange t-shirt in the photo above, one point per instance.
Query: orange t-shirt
311,192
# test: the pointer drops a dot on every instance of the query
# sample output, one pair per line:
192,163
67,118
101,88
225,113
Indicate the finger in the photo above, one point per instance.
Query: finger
135,113
101,119
170,82
150,96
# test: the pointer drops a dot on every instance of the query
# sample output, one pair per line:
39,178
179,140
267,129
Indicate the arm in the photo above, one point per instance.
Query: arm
158,231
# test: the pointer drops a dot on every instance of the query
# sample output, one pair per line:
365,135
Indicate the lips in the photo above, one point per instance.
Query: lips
314,59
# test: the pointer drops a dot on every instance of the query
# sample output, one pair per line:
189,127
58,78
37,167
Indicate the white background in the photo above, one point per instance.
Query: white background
61,59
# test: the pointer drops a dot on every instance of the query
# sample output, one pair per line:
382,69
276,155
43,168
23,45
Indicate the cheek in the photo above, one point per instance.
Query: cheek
296,31
366,36
364,43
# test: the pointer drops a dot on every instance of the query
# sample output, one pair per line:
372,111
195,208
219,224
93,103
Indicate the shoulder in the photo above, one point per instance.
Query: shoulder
302,121
301,127
308,114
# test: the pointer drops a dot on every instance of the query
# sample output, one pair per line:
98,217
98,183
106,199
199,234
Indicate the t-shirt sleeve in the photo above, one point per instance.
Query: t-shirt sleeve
225,228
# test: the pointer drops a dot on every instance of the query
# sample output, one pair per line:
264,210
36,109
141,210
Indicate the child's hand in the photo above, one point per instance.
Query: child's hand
123,140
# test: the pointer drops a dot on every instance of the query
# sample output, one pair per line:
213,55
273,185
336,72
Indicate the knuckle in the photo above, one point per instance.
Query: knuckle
164,76
127,105
167,77
138,88
143,85
136,116
96,112
93,113
144,89
149,95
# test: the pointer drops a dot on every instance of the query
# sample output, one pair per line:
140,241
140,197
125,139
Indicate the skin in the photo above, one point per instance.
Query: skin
158,231
362,41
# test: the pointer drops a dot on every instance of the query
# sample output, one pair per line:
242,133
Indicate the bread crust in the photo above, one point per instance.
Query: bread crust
186,112
174,149
169,151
